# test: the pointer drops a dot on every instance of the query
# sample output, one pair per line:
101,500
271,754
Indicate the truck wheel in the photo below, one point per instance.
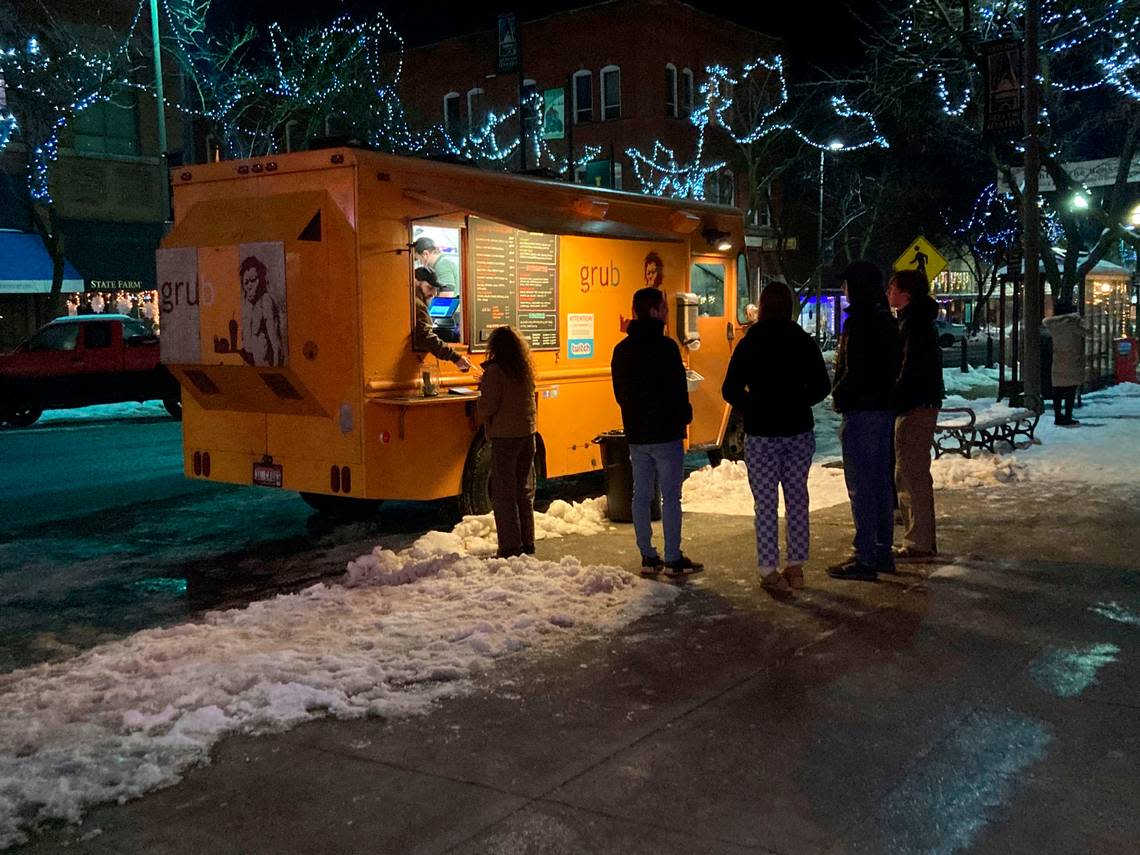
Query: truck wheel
23,418
476,496
732,448
344,507
173,406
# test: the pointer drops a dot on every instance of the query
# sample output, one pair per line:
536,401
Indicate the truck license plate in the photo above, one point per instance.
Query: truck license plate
268,474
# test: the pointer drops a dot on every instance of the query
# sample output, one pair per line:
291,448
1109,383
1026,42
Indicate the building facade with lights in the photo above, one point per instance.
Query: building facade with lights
629,74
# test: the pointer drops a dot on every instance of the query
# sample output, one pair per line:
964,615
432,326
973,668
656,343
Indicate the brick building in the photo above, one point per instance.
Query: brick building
630,70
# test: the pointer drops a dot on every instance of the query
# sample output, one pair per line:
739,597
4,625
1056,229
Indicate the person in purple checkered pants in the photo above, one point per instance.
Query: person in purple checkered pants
775,376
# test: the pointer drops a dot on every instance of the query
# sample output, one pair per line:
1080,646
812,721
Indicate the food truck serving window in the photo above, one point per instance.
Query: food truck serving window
438,247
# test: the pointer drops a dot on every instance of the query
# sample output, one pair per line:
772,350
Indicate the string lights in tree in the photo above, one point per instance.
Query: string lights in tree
661,174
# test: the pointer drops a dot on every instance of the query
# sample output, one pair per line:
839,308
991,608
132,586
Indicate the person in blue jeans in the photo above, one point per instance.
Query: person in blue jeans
866,366
652,390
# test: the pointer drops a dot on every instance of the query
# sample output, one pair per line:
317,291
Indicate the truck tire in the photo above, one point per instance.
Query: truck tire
343,507
24,417
475,499
732,447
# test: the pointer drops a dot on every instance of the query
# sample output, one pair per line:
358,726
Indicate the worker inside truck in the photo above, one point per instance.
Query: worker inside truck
424,336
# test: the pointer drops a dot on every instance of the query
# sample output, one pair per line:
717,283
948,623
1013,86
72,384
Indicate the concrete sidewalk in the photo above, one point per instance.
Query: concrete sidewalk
988,704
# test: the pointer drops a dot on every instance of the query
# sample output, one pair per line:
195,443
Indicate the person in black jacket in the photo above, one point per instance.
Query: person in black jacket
652,390
866,366
917,396
775,376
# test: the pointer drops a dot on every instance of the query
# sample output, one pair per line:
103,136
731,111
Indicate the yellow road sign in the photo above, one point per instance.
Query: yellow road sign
921,255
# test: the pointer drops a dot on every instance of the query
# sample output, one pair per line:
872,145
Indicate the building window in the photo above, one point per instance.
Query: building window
583,97
475,117
108,127
452,121
686,92
720,187
670,90
529,107
762,214
611,92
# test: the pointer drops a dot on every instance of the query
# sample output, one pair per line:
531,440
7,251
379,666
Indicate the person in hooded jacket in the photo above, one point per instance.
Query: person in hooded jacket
651,388
1068,361
917,397
775,376
866,366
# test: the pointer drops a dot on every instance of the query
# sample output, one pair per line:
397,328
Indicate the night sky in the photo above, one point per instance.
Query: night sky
815,32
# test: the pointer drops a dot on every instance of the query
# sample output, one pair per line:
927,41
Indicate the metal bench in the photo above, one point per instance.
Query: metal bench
959,430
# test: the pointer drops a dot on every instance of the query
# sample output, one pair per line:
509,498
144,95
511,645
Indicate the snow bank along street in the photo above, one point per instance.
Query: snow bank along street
401,631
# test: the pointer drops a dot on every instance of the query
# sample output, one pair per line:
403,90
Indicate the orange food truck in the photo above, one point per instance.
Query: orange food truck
287,304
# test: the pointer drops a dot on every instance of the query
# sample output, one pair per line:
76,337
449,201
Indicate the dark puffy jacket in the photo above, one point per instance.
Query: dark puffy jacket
774,377
867,361
650,384
919,383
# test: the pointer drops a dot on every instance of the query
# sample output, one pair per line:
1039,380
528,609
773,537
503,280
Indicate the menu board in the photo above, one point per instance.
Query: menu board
514,281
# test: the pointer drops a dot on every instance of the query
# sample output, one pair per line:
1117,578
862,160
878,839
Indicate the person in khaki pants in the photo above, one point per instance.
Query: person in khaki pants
917,396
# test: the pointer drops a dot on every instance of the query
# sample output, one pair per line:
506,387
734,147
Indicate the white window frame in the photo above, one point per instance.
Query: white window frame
589,75
610,69
762,215
522,93
452,96
477,92
687,93
671,90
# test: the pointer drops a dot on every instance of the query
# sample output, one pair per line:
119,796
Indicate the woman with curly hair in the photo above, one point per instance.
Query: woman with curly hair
507,408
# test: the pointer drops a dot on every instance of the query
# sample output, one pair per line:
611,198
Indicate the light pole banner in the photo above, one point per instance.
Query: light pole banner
1001,67
554,114
508,44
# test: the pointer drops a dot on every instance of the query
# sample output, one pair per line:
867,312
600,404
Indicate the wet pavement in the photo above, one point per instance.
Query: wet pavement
988,703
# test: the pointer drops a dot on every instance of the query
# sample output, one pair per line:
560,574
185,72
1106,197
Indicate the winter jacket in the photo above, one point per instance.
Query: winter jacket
506,404
867,360
650,384
1068,349
774,377
919,382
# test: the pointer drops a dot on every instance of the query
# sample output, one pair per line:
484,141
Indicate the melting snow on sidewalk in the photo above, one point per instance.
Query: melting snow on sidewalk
401,631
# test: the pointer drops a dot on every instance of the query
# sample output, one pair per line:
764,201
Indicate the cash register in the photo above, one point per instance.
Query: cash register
442,311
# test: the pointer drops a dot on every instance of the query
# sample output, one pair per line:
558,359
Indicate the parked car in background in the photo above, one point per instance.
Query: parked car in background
84,360
949,333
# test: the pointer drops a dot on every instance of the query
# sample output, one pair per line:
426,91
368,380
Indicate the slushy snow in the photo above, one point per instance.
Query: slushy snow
400,631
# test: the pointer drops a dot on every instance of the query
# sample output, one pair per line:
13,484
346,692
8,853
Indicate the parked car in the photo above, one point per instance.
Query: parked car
84,360
949,333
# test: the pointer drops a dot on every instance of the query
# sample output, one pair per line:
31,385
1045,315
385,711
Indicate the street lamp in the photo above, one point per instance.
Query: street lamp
834,145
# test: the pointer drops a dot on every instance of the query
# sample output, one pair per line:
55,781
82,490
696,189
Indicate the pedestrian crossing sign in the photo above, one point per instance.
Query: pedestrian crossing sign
921,255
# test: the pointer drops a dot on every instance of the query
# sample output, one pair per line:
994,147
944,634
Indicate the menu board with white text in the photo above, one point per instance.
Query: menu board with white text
514,281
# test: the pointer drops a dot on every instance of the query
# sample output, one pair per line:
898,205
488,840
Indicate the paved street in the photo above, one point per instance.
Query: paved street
987,705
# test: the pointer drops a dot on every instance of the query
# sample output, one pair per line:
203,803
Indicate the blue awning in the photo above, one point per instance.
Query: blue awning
25,266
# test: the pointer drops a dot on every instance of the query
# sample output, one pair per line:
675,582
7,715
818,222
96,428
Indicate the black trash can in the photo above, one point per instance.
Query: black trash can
619,478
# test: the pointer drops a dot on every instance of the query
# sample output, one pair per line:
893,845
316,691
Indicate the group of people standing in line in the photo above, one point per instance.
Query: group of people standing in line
887,388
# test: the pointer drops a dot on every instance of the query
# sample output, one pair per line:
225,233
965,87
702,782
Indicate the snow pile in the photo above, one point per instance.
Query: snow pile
404,630
98,412
951,471
975,383
724,489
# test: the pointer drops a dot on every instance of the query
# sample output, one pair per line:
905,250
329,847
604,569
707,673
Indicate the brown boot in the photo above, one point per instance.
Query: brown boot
794,573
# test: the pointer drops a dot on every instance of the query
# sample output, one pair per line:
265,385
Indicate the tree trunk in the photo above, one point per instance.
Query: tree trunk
47,225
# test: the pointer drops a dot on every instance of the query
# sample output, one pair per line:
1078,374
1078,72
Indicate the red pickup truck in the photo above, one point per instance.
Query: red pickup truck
84,360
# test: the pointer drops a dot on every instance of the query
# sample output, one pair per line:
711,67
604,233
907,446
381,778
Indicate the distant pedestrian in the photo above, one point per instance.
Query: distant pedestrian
72,306
917,397
866,366
775,376
1068,336
507,408
652,390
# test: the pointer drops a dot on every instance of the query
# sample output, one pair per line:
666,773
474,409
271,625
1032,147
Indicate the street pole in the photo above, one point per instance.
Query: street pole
160,108
819,260
1031,217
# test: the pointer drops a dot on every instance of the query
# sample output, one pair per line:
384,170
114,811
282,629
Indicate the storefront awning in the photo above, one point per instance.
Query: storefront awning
113,256
26,268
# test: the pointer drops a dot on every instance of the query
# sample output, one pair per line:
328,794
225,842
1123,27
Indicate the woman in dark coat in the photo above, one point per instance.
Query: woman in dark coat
775,376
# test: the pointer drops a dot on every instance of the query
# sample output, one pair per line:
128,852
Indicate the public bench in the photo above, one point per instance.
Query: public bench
962,430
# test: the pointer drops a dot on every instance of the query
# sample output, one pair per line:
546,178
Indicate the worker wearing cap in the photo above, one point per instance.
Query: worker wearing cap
424,337
429,255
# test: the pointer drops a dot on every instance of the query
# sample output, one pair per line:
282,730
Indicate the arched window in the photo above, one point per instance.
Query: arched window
452,122
686,92
475,114
530,107
670,90
583,97
611,92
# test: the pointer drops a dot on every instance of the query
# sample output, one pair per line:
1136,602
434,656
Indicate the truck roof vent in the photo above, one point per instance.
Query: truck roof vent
281,387
313,230
203,383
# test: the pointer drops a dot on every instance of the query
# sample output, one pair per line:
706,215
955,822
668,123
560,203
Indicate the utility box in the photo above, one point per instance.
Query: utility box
1126,355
